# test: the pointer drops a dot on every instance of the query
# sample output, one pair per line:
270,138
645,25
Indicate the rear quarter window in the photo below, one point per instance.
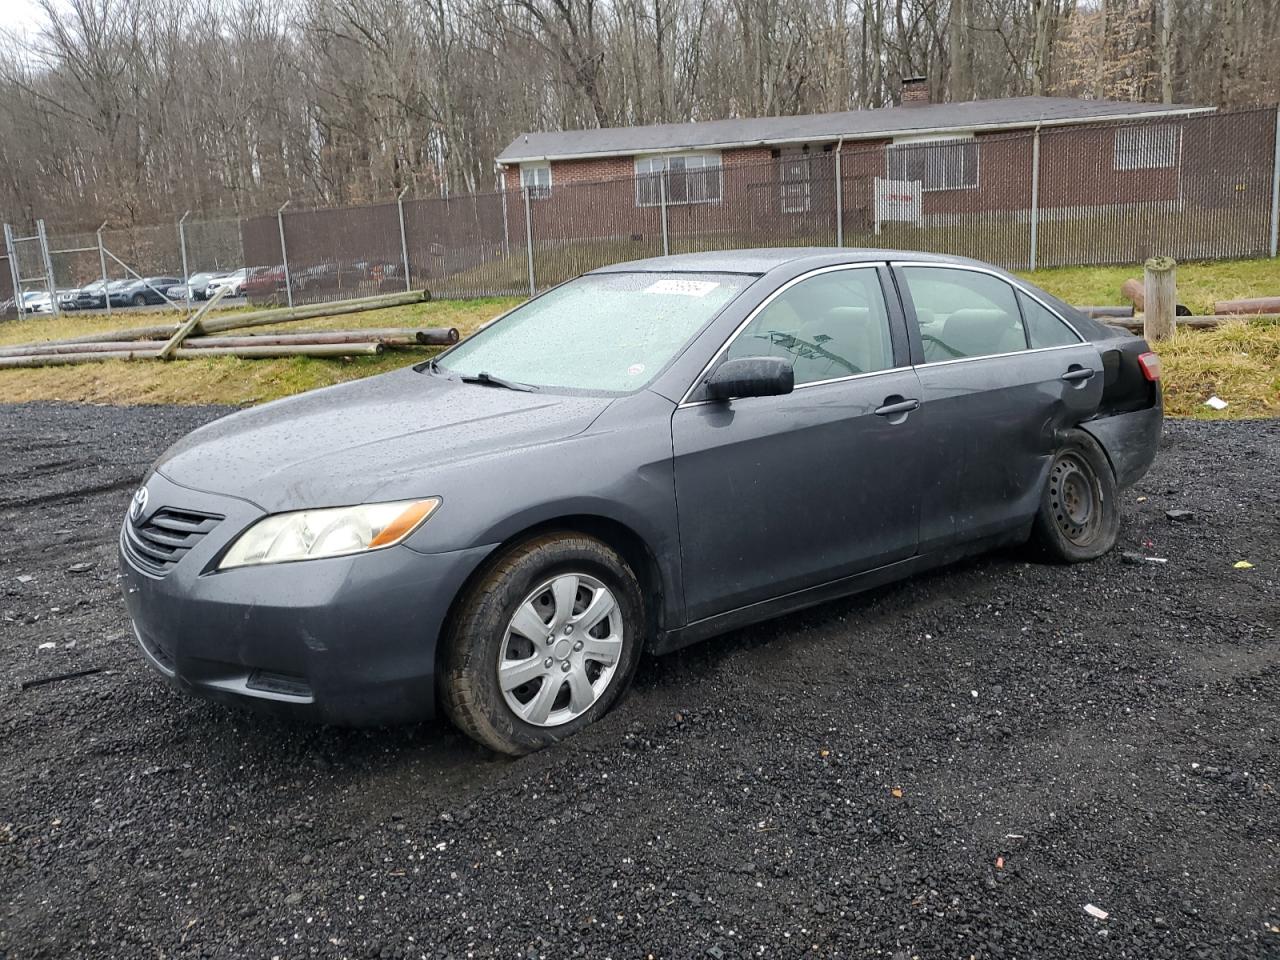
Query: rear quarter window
1044,328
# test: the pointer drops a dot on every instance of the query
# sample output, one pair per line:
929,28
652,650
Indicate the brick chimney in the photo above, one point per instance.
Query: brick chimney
915,91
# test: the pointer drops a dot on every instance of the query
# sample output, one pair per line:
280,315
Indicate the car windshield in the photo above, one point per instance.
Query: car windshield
606,331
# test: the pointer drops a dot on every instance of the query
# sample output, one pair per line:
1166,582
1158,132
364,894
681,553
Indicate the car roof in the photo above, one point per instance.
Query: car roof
761,260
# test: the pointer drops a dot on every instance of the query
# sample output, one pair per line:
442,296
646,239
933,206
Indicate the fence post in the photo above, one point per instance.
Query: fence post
284,254
839,197
102,265
404,243
1275,187
182,243
1160,294
11,252
1035,197
528,237
50,283
662,200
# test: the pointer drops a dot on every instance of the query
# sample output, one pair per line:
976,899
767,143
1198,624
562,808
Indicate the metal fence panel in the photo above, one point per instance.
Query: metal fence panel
581,226
8,306
1191,188
213,245
468,246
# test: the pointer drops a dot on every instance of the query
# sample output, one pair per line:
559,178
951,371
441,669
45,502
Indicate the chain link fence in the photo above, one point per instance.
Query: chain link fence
1194,188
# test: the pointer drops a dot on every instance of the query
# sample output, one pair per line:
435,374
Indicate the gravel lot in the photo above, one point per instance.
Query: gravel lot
950,767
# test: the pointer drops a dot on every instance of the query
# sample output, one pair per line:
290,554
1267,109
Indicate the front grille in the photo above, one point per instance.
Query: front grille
166,537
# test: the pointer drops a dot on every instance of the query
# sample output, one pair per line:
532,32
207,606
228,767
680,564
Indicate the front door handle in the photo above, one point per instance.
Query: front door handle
896,406
1076,374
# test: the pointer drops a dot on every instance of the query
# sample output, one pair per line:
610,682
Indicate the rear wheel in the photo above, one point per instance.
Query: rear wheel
544,644
1079,514
139,300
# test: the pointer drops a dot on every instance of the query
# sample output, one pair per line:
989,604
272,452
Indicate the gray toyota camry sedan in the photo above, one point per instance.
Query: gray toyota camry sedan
643,457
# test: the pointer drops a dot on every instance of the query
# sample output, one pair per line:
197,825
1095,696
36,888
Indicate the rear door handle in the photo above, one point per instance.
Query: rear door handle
1078,374
894,406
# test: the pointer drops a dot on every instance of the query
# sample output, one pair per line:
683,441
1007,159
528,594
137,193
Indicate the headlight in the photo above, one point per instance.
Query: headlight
310,534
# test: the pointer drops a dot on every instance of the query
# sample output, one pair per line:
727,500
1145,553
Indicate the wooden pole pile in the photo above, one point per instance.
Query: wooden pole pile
192,337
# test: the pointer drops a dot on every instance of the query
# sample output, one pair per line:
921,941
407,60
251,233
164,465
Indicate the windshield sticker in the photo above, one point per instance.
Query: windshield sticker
635,370
682,288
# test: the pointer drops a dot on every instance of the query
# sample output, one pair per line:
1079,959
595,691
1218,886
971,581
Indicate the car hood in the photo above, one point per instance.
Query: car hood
369,440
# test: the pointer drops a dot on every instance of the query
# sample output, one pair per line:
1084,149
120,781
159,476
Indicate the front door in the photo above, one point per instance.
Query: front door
777,494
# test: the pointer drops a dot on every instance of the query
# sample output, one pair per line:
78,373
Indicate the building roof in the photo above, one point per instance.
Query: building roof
972,115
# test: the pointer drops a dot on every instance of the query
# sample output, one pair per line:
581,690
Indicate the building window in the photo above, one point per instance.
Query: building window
536,178
1148,147
794,178
690,178
937,164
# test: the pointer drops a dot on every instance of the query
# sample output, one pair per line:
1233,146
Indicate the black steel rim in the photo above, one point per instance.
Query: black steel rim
1075,499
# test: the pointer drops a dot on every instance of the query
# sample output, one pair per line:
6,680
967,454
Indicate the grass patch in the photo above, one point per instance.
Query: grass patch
1199,284
1239,362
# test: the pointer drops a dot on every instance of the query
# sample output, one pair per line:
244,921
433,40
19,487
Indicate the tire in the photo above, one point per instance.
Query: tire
533,579
139,300
1079,514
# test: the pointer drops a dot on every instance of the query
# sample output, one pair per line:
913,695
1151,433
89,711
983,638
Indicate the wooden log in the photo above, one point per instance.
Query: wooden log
254,318
66,359
1100,312
186,353
1248,305
299,339
388,337
1132,289
1160,293
286,350
1192,323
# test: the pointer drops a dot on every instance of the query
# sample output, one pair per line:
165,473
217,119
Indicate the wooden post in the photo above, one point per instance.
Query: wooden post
1161,295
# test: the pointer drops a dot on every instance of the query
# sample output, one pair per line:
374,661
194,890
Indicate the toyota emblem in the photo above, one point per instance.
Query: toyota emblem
139,505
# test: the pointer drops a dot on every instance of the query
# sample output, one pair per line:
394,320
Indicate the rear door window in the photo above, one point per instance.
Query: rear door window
827,326
963,313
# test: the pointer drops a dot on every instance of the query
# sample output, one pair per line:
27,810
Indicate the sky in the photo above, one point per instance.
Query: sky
20,16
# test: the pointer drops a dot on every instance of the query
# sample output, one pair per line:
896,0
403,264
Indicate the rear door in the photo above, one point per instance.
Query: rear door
777,494
1000,375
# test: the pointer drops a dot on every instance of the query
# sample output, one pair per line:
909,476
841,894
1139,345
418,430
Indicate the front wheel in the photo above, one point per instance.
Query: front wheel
139,300
1079,514
544,644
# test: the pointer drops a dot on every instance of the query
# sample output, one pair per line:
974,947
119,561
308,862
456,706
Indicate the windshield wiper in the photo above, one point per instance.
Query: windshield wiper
489,380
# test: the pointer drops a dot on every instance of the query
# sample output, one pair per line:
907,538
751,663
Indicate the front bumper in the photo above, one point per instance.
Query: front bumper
345,640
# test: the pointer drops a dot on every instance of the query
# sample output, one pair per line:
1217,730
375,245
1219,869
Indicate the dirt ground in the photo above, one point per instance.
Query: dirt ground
950,767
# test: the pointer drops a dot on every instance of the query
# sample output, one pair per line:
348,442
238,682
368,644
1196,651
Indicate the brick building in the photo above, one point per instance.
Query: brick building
953,159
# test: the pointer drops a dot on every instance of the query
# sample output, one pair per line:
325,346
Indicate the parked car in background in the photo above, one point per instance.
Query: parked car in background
198,283
179,292
265,282
233,283
92,296
643,457
69,299
138,293
37,301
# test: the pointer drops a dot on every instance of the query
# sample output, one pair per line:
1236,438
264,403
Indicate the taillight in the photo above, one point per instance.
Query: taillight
1150,365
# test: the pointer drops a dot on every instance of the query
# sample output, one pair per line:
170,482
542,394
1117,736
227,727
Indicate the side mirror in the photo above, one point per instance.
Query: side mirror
750,377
